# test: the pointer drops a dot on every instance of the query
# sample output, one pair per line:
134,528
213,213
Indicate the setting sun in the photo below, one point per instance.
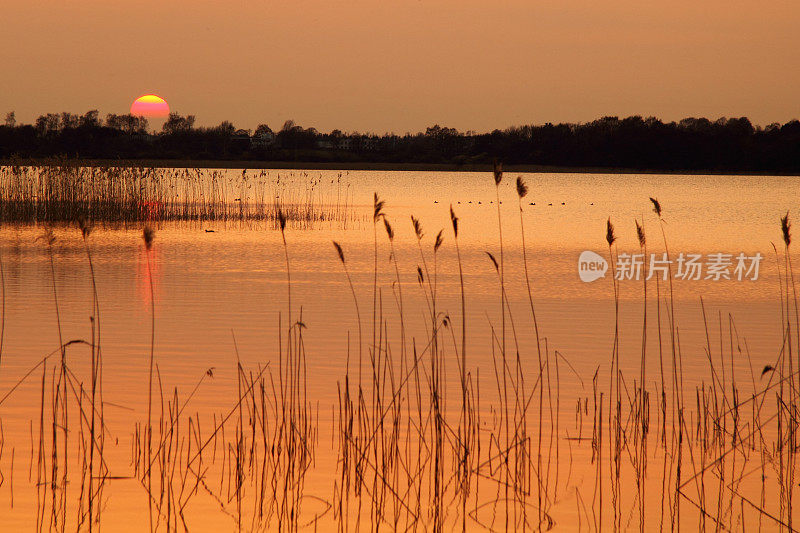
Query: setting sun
150,106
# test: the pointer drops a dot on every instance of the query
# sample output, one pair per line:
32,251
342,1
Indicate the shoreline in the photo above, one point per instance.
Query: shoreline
360,166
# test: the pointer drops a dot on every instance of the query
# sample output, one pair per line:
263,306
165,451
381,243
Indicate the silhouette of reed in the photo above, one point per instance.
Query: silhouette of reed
132,194
415,447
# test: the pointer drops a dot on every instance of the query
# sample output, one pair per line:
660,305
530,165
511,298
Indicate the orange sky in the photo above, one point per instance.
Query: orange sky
402,65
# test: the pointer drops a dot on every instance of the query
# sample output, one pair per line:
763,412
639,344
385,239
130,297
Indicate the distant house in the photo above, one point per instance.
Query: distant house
367,143
144,136
349,143
241,139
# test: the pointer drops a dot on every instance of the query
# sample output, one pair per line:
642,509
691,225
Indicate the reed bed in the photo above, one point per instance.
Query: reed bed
497,452
129,195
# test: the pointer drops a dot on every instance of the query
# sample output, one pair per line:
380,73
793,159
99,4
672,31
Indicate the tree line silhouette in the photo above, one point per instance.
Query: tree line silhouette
692,144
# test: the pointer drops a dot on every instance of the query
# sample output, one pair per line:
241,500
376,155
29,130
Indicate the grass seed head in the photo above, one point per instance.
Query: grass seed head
339,251
786,228
454,220
522,188
281,220
417,227
640,234
438,241
389,230
656,206
498,172
610,236
148,235
377,208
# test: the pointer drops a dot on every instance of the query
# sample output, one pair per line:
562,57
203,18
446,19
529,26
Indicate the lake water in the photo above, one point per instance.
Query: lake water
221,296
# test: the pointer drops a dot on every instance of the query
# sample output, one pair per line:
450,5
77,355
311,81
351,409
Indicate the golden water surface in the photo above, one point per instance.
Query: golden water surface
220,297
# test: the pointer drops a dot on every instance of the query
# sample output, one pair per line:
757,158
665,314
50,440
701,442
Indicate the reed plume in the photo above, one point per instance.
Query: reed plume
339,251
656,206
377,207
148,235
417,227
498,172
610,235
640,234
389,229
786,229
522,188
438,242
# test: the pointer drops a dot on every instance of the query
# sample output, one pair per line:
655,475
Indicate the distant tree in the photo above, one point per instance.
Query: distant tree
295,137
176,123
263,131
437,131
127,123
791,128
134,124
226,128
69,120
699,125
635,142
90,119
263,137
47,124
741,126
114,121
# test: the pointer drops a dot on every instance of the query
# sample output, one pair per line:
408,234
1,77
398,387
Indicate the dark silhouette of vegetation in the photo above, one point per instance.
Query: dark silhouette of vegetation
692,144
